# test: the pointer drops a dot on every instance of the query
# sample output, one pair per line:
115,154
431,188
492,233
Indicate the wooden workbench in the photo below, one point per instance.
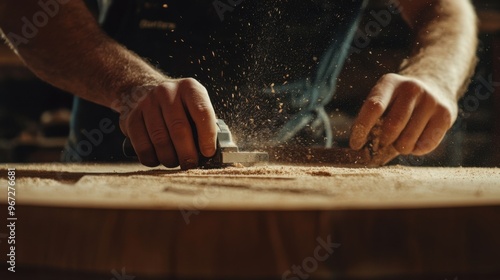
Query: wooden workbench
90,221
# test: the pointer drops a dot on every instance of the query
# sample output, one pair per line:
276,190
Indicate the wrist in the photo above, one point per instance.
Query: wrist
433,84
128,95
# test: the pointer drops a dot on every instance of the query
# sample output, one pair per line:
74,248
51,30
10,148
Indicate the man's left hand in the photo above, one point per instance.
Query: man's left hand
416,115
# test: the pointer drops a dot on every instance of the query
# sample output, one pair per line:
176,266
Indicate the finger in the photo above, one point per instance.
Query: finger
197,101
178,126
408,138
433,134
373,108
138,135
160,138
398,114
384,156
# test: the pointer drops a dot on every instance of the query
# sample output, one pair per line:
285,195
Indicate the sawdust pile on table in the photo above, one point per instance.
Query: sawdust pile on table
260,187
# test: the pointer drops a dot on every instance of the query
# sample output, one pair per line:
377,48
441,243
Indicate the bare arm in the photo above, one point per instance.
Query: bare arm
71,52
419,104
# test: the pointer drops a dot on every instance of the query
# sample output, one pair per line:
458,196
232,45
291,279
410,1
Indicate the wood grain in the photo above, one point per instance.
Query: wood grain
253,223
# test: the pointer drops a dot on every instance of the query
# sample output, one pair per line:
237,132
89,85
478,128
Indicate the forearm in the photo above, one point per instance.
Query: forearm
445,45
72,53
419,104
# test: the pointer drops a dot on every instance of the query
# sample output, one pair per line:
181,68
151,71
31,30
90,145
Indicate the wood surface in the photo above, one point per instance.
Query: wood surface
272,187
86,221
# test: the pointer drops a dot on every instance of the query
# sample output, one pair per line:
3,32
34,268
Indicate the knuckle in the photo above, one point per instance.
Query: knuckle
149,102
359,130
359,126
445,116
411,86
447,119
425,146
389,77
191,86
178,126
376,104
403,150
204,109
159,136
431,103
133,118
437,135
394,121
189,81
404,145
161,89
193,82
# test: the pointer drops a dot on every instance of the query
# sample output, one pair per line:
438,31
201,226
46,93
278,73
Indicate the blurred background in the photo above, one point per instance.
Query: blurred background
34,116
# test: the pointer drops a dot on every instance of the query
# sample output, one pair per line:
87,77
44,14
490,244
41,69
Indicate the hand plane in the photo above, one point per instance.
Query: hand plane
227,152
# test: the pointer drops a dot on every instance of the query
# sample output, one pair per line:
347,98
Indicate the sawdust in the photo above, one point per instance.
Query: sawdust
257,187
374,136
380,155
281,170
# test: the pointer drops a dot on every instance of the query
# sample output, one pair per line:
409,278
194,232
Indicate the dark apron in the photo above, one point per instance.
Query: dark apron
241,60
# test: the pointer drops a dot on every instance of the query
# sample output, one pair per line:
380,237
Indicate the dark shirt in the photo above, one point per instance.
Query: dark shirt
240,54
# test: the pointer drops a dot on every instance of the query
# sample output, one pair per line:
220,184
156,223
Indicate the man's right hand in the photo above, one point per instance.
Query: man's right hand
72,53
157,119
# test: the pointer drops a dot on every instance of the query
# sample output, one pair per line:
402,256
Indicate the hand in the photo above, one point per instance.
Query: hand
157,121
416,115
